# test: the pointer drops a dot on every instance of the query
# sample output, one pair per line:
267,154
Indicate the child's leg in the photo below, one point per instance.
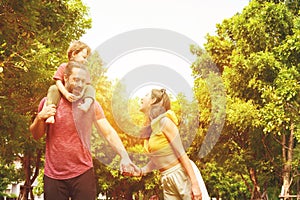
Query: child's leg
89,92
89,97
53,97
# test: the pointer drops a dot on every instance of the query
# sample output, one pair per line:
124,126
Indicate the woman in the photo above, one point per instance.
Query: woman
165,149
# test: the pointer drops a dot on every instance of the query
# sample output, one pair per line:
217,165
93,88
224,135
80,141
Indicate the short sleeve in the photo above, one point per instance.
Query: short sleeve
59,74
42,102
171,115
99,113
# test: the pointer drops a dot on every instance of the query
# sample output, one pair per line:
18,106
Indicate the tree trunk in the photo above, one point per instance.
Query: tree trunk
287,157
128,195
256,194
26,189
246,182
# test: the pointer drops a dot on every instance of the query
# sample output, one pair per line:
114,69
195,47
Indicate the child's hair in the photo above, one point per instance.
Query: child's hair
77,46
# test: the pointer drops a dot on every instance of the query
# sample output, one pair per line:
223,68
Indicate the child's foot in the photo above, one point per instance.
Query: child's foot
50,120
84,106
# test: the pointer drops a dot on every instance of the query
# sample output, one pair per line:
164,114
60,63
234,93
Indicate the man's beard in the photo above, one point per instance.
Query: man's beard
78,91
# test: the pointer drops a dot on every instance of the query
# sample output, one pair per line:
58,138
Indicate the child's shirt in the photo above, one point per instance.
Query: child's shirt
59,74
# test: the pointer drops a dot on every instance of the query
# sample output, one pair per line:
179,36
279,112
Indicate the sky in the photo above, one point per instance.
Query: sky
193,19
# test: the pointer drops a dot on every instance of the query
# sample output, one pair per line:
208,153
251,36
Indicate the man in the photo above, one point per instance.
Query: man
68,166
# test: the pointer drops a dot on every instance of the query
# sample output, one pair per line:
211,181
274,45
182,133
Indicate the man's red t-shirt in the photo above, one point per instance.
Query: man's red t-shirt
68,140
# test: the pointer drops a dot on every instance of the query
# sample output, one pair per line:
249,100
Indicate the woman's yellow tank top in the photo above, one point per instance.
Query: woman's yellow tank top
158,147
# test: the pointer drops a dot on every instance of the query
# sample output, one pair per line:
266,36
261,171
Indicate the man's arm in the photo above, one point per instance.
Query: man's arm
38,127
104,127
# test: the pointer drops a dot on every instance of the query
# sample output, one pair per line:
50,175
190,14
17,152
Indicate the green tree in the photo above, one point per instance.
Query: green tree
293,6
256,53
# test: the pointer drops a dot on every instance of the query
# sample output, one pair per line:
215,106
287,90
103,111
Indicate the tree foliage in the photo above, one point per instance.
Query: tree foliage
257,53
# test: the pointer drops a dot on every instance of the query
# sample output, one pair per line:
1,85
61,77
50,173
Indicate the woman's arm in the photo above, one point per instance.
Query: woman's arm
149,167
171,132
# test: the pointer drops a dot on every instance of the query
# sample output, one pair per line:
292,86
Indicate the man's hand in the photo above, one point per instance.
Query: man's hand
196,192
38,127
127,167
47,111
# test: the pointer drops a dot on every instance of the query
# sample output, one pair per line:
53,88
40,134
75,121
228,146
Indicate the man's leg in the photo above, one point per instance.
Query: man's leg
55,189
83,186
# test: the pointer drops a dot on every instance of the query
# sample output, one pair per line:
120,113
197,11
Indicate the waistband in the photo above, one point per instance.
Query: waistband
171,170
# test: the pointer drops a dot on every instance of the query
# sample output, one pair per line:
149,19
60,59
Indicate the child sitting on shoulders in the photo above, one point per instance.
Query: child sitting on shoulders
78,52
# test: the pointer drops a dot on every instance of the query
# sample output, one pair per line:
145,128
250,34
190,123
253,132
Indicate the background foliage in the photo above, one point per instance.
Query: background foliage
257,56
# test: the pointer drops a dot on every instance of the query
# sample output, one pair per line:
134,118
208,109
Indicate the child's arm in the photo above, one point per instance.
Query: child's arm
89,96
69,96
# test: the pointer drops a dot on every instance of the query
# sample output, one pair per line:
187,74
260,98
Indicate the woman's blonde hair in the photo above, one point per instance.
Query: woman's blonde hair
160,106
155,111
162,98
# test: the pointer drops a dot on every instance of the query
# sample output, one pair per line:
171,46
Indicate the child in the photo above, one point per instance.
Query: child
78,52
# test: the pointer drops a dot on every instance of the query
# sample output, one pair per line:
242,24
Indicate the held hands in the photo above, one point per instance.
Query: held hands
196,192
127,168
137,172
